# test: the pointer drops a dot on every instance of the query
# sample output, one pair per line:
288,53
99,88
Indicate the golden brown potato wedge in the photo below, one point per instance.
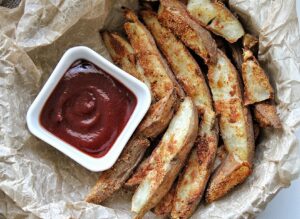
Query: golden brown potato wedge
265,114
193,181
173,15
167,159
216,17
123,55
113,179
235,126
153,64
256,83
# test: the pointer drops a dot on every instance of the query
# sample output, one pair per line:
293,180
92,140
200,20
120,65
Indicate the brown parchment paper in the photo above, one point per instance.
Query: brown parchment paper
36,181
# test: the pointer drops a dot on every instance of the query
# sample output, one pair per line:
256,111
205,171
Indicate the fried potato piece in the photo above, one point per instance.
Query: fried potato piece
216,17
113,179
256,83
266,116
167,159
235,126
173,15
164,207
193,180
155,67
158,116
123,55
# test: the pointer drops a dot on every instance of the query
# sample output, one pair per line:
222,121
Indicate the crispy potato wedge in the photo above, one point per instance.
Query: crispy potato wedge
123,55
158,116
216,17
173,15
235,126
164,207
192,182
266,116
113,179
155,67
256,83
167,159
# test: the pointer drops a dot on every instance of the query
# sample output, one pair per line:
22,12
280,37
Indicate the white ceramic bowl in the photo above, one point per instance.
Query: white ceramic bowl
139,89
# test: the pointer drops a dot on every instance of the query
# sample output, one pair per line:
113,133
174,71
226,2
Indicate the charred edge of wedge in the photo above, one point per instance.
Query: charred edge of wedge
167,159
113,179
266,115
256,82
173,15
216,17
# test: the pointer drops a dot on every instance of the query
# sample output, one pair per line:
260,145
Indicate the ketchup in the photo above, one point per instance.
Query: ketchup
88,109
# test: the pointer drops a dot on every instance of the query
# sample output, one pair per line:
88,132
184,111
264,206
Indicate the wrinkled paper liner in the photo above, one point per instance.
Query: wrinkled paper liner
38,181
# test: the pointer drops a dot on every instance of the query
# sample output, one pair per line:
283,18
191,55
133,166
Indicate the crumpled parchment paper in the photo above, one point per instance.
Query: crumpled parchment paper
37,181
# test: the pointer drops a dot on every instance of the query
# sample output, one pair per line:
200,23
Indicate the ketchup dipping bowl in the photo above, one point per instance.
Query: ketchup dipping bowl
88,109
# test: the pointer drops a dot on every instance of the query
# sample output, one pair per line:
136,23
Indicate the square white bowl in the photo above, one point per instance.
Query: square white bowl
139,89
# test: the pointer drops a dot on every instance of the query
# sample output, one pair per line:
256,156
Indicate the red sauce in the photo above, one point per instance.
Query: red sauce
88,109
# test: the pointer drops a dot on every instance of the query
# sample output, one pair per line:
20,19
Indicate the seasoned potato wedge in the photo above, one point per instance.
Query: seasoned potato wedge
235,126
123,55
189,75
256,83
265,114
216,17
167,159
153,64
173,15
113,179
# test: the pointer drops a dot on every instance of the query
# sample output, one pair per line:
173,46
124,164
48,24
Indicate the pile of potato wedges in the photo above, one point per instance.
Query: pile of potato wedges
210,98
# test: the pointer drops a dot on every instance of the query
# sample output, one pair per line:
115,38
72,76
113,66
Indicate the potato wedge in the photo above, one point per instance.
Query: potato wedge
167,159
235,126
123,55
256,82
173,15
153,64
265,114
216,17
113,179
193,181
